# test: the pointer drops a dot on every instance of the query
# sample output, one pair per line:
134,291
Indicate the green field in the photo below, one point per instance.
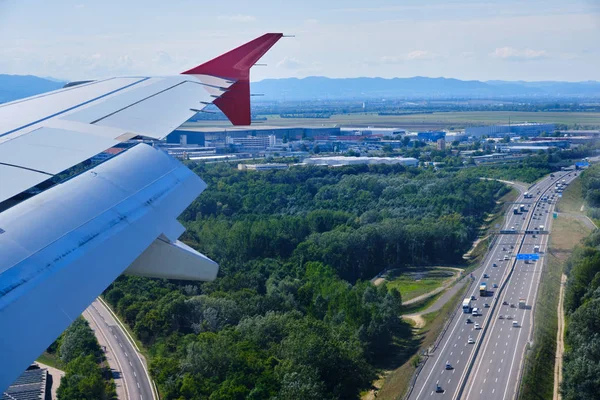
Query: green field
412,285
454,119
567,232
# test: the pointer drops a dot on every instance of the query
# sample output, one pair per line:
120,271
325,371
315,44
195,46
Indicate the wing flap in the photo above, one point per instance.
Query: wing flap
61,248
14,180
183,262
52,150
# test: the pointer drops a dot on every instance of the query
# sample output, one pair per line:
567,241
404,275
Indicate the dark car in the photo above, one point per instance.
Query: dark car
469,321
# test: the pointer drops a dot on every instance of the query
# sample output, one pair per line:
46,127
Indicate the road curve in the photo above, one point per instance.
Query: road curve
495,367
130,371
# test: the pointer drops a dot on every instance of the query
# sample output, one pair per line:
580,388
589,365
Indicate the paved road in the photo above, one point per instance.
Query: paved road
497,368
504,351
130,372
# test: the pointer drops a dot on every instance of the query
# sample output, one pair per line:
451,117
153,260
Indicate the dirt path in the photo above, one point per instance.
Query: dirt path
560,344
56,374
417,319
447,283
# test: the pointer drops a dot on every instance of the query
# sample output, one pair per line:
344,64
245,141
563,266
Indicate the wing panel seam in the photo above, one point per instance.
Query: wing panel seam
73,107
137,102
25,168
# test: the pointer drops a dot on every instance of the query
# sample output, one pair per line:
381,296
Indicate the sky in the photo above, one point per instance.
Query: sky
531,40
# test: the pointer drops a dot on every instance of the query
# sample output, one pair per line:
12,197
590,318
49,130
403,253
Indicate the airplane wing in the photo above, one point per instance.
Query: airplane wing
67,232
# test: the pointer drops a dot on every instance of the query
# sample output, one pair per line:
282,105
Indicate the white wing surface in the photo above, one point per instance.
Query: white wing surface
62,244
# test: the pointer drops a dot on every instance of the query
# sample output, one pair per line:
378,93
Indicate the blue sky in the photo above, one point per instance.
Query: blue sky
465,39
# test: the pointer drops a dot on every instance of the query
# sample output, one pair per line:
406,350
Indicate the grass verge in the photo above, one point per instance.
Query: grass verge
567,231
411,286
397,381
51,360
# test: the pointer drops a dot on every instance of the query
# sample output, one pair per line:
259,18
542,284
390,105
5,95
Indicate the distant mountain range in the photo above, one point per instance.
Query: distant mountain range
316,87
14,87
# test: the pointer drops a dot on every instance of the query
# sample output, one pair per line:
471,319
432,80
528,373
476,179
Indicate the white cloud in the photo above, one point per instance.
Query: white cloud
291,63
510,53
237,18
421,55
415,55
162,58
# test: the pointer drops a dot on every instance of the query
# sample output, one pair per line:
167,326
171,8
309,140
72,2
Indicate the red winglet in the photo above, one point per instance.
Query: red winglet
235,65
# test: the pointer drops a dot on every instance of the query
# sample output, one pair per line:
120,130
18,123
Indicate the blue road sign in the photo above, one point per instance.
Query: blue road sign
533,256
582,164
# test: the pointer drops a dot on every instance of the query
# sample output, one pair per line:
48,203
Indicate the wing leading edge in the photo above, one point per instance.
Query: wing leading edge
61,248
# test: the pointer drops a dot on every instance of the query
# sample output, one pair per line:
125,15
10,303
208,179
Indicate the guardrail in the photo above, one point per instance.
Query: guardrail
465,375
433,347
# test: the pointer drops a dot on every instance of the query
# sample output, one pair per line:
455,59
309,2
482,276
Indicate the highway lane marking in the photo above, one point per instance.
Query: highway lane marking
120,344
115,336
138,384
517,276
130,363
134,374
451,352
113,351
126,355
484,268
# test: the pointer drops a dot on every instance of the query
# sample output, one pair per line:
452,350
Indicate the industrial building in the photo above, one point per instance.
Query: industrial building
431,136
370,131
262,167
252,143
189,134
522,148
525,129
340,160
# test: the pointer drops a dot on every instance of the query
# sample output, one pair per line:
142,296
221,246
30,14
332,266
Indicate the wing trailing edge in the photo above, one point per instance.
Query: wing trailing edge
235,65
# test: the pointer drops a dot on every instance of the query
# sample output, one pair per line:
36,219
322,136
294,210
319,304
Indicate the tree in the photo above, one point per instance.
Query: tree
83,381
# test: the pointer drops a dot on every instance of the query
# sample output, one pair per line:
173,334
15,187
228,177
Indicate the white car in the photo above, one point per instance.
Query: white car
470,340
477,326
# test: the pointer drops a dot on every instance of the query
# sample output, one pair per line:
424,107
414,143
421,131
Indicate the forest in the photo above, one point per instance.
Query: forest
87,376
292,314
581,368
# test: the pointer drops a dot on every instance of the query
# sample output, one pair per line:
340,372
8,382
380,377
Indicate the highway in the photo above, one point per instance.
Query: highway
131,374
490,365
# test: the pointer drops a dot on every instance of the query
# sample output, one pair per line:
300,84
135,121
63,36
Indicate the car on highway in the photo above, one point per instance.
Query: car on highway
494,265
475,312
486,276
500,316
506,258
477,326
469,321
470,340
473,297
505,303
495,285
515,324
438,389
448,365
509,317
486,305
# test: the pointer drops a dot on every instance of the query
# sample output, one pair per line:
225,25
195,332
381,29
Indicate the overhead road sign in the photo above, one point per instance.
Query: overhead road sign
524,256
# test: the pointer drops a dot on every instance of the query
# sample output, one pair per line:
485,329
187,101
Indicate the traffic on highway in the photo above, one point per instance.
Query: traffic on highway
482,350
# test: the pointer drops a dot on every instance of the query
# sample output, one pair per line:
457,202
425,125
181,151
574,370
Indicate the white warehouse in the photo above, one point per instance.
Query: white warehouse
341,160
